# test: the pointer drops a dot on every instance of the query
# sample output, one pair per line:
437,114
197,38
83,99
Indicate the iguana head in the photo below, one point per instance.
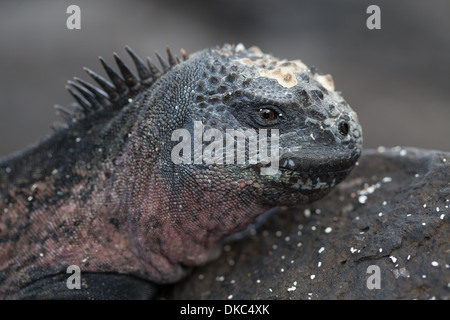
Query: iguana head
313,135
192,167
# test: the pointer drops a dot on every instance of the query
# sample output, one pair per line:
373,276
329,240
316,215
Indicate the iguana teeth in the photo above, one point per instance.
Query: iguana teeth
131,80
119,83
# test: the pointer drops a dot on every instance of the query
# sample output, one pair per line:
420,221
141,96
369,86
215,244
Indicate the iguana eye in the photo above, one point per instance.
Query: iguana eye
259,116
268,115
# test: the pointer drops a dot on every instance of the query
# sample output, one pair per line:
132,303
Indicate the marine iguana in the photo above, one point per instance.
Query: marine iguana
103,193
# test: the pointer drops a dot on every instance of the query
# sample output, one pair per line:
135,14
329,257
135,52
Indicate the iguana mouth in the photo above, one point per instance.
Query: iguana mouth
318,162
315,162
312,172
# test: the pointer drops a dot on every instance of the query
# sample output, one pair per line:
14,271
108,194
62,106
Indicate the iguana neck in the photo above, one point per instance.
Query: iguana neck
170,214
173,223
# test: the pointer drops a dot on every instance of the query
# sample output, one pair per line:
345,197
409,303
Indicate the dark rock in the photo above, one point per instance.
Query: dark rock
391,212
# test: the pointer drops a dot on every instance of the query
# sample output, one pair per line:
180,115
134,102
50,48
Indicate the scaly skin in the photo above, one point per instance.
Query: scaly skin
103,193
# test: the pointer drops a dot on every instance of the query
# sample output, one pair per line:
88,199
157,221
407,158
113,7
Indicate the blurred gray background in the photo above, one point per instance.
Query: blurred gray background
397,79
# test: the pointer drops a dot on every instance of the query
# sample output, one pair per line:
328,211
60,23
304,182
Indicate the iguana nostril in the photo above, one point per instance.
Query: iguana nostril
344,128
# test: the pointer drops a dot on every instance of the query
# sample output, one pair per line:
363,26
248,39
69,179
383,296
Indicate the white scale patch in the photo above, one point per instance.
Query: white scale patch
283,71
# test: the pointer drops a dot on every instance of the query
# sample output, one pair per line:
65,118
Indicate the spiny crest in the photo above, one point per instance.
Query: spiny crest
119,87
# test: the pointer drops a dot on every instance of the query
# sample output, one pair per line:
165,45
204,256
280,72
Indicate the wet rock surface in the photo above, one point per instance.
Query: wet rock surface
390,218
